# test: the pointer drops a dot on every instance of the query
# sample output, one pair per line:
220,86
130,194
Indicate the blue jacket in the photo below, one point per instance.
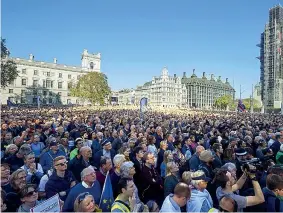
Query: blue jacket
199,201
272,203
95,146
169,205
194,162
57,184
95,191
46,160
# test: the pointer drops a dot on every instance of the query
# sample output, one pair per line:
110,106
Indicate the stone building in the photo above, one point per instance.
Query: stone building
47,80
202,92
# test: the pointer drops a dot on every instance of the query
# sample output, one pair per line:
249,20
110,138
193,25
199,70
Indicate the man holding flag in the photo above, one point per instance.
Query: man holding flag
106,199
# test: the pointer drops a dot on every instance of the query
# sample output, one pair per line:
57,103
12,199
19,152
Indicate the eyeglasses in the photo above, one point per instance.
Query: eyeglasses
62,164
83,196
222,210
30,193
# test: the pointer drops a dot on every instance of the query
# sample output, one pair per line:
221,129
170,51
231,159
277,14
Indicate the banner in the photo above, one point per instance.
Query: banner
143,105
50,205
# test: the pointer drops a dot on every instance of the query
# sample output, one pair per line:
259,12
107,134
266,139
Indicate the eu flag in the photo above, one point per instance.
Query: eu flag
106,199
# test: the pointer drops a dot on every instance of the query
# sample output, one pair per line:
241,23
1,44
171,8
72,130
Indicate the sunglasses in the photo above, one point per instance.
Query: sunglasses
83,196
222,210
62,164
30,193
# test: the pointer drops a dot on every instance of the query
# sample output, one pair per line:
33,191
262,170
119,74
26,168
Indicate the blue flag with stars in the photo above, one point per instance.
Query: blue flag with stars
106,199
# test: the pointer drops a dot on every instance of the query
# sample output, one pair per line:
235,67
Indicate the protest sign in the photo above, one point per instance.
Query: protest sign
50,205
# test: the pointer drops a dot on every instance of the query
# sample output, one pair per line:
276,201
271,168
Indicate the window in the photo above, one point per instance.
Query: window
50,100
60,93
34,100
24,71
35,83
24,82
51,84
68,101
91,65
50,93
59,85
60,75
69,76
44,84
44,92
34,92
23,100
48,83
23,92
48,74
11,91
35,72
11,99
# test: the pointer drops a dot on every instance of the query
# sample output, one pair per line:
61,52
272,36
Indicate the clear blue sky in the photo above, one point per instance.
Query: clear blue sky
138,38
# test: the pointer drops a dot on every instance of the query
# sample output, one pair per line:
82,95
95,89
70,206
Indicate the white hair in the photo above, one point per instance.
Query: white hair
84,148
229,166
194,175
87,171
125,169
118,159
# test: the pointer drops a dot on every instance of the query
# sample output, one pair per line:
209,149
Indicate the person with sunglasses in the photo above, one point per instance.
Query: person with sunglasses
29,196
61,179
86,203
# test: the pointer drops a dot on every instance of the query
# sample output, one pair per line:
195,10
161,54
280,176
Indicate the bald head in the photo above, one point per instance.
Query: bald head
199,149
228,204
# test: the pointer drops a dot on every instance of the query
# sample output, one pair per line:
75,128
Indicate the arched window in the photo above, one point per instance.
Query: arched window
91,65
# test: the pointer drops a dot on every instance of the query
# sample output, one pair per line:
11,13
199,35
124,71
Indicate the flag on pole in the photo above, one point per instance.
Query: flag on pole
241,106
11,105
143,105
38,101
107,198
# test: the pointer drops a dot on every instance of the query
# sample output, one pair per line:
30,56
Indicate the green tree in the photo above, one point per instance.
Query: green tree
247,103
9,70
224,101
92,86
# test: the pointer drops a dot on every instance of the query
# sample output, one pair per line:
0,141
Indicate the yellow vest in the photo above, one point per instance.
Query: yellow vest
120,206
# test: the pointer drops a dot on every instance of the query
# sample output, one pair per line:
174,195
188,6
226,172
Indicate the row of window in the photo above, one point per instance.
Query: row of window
34,100
46,83
48,74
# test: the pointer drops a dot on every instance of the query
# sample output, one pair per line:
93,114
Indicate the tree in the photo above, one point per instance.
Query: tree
92,86
247,103
9,70
224,101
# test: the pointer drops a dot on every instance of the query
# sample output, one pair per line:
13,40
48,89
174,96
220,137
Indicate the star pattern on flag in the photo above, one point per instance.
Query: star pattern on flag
104,201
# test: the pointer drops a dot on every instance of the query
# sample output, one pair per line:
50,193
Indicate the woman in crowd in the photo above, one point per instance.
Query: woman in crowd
171,179
151,145
160,156
29,198
168,157
5,176
86,203
125,150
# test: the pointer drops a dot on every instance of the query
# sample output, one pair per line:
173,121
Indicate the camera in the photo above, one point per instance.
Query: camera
252,165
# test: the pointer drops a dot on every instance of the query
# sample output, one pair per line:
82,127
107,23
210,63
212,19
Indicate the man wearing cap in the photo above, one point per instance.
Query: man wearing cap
106,151
46,160
79,144
201,200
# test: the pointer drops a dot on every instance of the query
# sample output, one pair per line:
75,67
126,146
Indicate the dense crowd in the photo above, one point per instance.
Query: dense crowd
169,162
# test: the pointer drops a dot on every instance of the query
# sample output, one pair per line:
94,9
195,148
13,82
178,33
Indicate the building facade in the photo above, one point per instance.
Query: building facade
202,92
171,91
271,60
48,80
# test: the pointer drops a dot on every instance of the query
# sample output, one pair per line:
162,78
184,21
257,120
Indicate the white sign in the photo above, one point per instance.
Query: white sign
50,205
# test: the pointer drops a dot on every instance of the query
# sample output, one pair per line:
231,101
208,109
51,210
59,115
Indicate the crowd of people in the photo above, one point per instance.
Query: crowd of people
163,162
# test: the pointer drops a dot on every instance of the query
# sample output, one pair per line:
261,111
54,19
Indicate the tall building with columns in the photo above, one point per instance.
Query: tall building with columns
202,92
49,80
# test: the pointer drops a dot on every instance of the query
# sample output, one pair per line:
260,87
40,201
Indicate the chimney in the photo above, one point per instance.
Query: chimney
175,75
203,74
212,77
31,57
55,60
184,74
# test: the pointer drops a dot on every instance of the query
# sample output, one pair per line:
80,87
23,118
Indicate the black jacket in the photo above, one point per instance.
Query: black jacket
97,156
76,166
